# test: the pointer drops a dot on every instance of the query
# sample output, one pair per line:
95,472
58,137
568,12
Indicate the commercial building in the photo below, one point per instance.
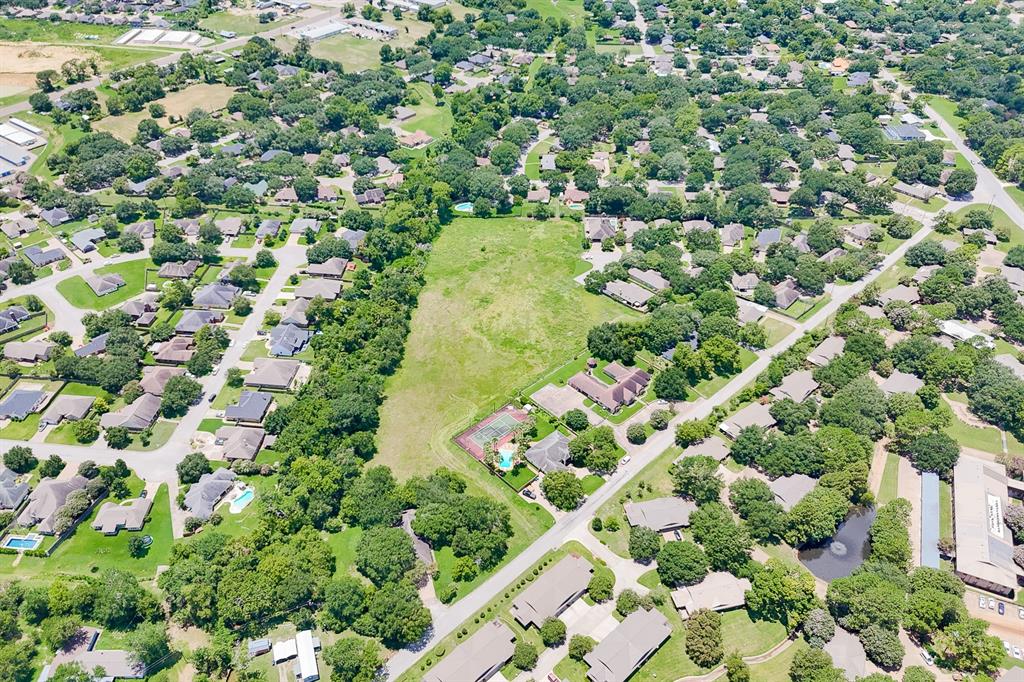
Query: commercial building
984,544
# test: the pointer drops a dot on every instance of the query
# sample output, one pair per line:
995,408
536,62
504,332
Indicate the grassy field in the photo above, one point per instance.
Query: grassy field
532,166
432,119
946,108
239,22
499,308
207,97
571,10
776,330
887,491
78,293
945,510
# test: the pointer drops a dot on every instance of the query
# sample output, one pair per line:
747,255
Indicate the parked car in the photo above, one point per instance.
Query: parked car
991,604
1017,653
144,494
927,657
213,396
529,493
1020,613
1002,608
1006,645
981,601
677,534
625,460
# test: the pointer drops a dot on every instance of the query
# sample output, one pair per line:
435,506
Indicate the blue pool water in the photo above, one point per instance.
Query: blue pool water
22,542
464,207
242,501
506,458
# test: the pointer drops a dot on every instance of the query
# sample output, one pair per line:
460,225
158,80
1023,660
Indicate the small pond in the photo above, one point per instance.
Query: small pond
845,551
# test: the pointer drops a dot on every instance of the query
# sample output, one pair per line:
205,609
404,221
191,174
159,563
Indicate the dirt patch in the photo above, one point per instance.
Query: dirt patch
966,416
204,96
29,58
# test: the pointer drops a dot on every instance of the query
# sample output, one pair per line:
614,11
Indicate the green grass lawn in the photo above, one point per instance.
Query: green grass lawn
243,24
499,308
78,293
887,490
1017,194
432,119
591,482
776,669
22,430
775,330
945,510
987,439
946,108
571,10
162,431
532,166
211,425
343,545
88,551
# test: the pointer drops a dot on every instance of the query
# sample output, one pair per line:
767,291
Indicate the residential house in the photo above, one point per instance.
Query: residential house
287,340
324,288
900,382
240,442
46,501
80,650
102,285
755,414
599,228
719,591
789,490
215,295
252,407
553,591
631,294
154,379
630,383
660,514
827,350
628,646
28,351
272,373
333,268
193,320
175,351
67,408
130,515
136,416
41,258
478,657
12,492
550,453
20,403
170,270
205,493
797,386
651,279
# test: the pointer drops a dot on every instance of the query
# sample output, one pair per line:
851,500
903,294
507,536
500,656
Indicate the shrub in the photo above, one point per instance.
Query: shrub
704,638
636,434
595,523
576,420
601,587
580,646
524,656
644,544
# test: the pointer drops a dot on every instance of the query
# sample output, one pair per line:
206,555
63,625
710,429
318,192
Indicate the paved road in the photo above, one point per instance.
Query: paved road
577,521
641,24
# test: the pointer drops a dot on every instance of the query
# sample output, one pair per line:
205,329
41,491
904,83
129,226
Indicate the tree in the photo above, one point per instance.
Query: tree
20,459
819,628
726,544
51,467
576,419
636,433
934,451
344,600
384,554
57,630
192,467
552,632
644,544
697,478
704,638
180,393
354,660
118,437
148,643
681,563
816,516
890,540
524,656
562,489
883,647
264,259
601,586
672,383
781,592
136,546
967,646
961,181
736,669
580,646
395,614
916,673
814,665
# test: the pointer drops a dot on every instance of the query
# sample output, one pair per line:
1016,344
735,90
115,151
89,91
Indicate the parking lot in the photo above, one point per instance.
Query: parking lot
1007,626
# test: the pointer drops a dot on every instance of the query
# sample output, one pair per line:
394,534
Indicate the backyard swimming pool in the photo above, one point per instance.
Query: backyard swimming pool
242,501
464,207
22,543
506,458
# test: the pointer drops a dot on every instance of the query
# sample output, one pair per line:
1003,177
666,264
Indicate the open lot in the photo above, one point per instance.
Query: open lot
499,308
203,96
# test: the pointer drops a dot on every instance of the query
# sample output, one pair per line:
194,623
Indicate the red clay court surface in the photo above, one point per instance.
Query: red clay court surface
497,427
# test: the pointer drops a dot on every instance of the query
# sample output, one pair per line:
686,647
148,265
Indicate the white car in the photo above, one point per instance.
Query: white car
625,460
927,657
1017,653
981,601
991,604
1006,645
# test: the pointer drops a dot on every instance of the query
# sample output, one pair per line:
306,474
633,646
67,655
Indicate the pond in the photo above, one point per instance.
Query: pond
839,556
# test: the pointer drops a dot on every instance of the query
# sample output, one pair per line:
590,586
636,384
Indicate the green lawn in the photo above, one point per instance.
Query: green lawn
945,510
571,10
887,491
987,439
78,293
22,430
498,309
532,166
211,425
88,551
243,24
1017,194
946,108
775,330
776,669
591,482
343,545
432,119
162,432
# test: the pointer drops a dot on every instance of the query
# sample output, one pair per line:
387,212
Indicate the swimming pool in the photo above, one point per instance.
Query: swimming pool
464,207
22,542
506,458
242,501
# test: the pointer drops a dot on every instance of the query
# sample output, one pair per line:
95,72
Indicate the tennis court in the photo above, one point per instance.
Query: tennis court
497,427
